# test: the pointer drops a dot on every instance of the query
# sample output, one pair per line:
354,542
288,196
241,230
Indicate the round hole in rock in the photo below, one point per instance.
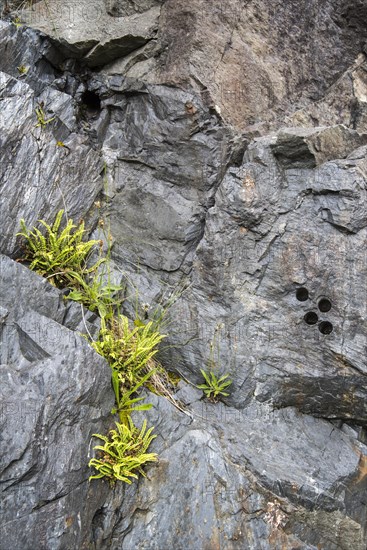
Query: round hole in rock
311,318
91,100
302,294
325,327
324,305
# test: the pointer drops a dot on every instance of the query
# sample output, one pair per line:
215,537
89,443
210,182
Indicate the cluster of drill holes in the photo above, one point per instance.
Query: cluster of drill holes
311,318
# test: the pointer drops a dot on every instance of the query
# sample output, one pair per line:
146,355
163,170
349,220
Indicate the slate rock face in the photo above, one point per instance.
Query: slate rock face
124,8
225,147
165,162
204,47
301,148
103,38
271,233
43,169
234,488
55,395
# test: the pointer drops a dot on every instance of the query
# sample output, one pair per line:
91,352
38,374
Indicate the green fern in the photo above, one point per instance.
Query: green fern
129,351
124,453
125,401
96,296
213,386
59,254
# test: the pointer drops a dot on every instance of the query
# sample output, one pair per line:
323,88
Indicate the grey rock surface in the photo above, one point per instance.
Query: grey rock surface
55,395
86,29
308,148
235,486
57,176
272,232
225,147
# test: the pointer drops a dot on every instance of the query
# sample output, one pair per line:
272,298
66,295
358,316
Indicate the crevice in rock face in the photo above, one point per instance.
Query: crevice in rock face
234,156
29,474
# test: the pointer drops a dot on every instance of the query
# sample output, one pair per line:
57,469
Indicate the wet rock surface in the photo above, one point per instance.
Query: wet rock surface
227,148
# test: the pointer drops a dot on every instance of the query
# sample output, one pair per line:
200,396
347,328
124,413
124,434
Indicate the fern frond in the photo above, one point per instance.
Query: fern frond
124,453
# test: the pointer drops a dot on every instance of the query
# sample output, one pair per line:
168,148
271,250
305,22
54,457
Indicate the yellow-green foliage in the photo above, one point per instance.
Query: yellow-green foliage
23,70
213,386
41,118
128,350
130,353
124,453
61,255
17,22
96,295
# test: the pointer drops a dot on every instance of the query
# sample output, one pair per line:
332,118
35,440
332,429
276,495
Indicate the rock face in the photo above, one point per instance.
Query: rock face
226,146
46,498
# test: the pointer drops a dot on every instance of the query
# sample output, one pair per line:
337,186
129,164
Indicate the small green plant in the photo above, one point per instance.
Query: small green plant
124,453
130,353
41,118
96,295
17,22
61,255
62,145
213,386
125,400
23,70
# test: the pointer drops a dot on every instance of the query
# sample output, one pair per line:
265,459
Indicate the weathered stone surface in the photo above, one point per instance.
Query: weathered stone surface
55,394
343,103
307,148
37,176
271,232
166,156
260,62
85,29
204,197
124,8
232,487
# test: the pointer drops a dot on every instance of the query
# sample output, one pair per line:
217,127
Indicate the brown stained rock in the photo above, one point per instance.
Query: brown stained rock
258,63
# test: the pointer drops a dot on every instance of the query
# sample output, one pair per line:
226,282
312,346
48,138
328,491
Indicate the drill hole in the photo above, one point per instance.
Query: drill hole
325,327
311,318
302,294
324,305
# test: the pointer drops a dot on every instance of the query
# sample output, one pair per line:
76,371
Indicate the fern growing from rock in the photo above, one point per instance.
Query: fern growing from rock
60,255
124,453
